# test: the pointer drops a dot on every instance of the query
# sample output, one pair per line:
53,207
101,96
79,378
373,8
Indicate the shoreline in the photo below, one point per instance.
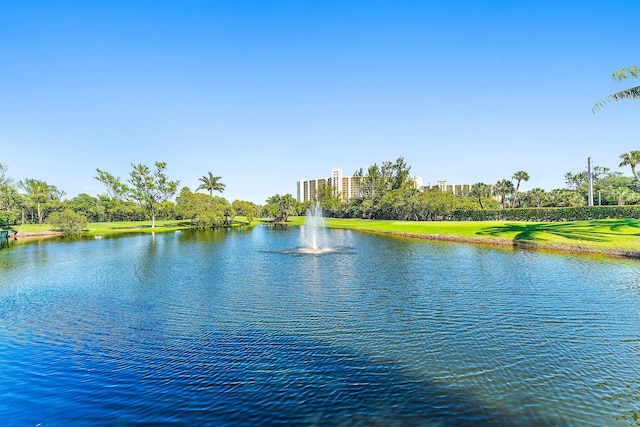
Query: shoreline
511,243
480,241
28,235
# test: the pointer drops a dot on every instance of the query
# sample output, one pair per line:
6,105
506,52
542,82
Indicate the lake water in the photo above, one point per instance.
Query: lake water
239,328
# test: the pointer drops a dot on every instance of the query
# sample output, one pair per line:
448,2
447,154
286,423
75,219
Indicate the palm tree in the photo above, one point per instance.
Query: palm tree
211,183
537,196
632,158
631,72
480,190
519,176
502,188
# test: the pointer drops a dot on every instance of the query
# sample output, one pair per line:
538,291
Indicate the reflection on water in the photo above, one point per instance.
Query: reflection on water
237,328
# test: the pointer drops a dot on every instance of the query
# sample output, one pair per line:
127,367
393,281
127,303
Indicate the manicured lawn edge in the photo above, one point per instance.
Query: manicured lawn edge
111,229
613,237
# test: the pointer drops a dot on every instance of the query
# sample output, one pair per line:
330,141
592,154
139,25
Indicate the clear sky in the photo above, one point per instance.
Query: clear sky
265,93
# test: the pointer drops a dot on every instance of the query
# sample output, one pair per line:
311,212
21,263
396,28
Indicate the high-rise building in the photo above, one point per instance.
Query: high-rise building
347,187
341,185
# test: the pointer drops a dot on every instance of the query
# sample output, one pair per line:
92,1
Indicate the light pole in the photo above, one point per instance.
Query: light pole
590,202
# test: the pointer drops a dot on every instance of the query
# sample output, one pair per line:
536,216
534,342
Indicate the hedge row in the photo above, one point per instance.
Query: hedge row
547,214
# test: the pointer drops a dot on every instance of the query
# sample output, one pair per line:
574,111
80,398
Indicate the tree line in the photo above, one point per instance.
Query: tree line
146,195
385,191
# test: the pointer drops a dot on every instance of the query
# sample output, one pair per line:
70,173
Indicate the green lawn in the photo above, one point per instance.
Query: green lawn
110,228
612,236
113,228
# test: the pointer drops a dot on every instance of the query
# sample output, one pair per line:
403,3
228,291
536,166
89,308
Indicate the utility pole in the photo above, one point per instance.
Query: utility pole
590,177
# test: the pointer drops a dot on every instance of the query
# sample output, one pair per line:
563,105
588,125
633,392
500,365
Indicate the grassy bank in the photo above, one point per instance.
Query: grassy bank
613,237
616,237
112,228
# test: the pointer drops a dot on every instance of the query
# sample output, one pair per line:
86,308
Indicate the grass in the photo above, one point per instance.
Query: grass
619,237
123,227
611,236
29,228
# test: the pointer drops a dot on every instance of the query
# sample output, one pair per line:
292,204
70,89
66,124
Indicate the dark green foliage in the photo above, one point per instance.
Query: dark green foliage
88,206
10,202
67,221
280,208
245,208
203,210
9,217
151,188
582,213
41,198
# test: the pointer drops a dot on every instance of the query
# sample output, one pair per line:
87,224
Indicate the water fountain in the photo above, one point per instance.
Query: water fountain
313,233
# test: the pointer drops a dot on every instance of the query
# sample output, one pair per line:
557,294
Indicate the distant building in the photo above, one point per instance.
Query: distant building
461,190
456,189
343,185
347,187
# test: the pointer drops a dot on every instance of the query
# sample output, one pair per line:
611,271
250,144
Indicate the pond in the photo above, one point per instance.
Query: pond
241,328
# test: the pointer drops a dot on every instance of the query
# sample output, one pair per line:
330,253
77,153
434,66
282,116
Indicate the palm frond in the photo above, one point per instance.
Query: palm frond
632,71
631,93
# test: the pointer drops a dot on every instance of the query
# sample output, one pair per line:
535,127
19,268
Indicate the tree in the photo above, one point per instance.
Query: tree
330,200
211,183
630,72
88,206
280,207
632,158
115,189
436,204
393,205
378,180
578,181
121,210
481,191
534,198
40,192
518,176
373,182
150,189
4,178
564,198
245,208
398,173
10,199
203,210
621,195
67,221
617,189
502,188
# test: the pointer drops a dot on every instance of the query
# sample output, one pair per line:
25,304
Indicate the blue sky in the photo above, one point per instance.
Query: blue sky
264,93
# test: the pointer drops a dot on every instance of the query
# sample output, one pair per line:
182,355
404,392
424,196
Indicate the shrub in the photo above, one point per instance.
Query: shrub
581,213
9,217
68,222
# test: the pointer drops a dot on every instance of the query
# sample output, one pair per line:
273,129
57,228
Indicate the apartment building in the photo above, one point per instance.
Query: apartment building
343,185
346,186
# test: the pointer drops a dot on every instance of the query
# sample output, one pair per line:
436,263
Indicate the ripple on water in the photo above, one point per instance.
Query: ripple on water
238,329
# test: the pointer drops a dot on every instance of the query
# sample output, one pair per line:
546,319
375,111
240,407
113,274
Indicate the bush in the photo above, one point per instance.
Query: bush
9,217
582,213
68,222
